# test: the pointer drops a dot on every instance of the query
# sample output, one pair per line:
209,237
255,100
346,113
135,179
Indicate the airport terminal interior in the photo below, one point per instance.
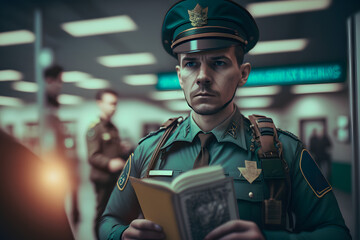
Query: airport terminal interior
300,77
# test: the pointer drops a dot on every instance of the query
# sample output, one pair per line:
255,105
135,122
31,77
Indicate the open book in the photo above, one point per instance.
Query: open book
192,205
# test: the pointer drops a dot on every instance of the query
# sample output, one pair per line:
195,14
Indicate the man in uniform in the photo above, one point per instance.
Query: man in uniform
105,152
273,188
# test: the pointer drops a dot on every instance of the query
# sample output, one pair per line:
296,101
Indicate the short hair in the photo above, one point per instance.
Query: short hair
53,71
239,54
101,92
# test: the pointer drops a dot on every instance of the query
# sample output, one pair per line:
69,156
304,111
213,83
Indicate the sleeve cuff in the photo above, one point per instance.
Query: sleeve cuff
116,235
276,235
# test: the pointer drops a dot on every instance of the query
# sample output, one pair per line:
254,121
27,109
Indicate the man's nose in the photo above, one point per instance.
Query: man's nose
204,75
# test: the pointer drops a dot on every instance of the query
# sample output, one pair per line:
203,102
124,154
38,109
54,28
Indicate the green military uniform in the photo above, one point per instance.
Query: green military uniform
192,26
315,209
103,144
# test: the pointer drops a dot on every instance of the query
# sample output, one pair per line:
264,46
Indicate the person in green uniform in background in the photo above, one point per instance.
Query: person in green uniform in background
281,194
106,154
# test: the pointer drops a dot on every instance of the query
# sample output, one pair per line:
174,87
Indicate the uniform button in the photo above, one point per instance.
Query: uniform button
251,194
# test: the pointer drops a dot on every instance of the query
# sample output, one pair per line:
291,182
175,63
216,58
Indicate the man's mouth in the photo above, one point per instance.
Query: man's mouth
204,94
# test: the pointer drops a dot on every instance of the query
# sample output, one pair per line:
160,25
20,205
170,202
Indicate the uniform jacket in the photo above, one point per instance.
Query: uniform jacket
103,144
317,215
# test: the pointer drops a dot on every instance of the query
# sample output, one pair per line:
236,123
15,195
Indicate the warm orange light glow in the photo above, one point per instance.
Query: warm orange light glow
54,178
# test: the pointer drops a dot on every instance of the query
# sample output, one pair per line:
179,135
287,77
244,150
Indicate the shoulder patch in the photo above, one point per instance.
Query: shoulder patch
94,123
124,176
312,174
91,133
290,134
151,134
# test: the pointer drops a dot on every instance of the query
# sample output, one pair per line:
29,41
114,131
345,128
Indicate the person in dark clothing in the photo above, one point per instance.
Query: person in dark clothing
105,153
320,146
54,129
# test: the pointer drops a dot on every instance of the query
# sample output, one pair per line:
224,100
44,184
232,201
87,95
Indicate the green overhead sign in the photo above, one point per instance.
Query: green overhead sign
321,73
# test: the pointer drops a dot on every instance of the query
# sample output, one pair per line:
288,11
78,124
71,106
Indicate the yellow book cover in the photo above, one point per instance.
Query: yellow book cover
191,205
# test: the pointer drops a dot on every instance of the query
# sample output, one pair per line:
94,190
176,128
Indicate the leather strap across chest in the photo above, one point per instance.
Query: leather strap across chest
170,125
275,171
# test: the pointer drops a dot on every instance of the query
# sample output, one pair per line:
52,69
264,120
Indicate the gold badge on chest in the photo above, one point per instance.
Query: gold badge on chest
106,136
250,171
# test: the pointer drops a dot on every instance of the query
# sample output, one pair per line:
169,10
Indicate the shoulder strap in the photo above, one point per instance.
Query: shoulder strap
170,125
275,170
266,135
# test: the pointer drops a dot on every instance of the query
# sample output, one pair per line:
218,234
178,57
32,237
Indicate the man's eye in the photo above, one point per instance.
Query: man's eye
219,63
190,64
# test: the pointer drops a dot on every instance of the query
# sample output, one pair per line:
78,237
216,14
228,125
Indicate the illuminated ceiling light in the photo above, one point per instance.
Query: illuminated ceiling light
258,91
23,86
316,88
69,99
177,105
167,95
99,26
10,75
265,9
10,101
126,60
141,79
93,83
278,46
254,102
16,37
75,76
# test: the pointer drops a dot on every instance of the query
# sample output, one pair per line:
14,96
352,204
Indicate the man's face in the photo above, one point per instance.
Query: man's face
209,79
53,85
107,105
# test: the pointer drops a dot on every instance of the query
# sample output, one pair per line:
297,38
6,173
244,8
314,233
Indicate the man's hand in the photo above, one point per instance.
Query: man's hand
236,229
116,164
143,229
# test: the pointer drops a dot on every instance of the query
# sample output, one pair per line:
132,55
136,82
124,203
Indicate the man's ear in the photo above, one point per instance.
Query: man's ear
179,75
245,69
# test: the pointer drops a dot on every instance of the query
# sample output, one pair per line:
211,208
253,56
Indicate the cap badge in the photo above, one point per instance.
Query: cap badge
198,16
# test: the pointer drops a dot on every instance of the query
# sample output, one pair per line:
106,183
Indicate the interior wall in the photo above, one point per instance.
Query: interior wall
129,118
327,105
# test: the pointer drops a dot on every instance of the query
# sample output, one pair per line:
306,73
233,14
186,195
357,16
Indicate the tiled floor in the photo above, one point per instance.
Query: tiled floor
84,230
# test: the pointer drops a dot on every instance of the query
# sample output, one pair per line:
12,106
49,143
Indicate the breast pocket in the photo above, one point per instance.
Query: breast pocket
250,198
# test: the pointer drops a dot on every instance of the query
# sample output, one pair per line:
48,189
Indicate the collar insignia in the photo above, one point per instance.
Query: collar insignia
232,130
250,171
198,16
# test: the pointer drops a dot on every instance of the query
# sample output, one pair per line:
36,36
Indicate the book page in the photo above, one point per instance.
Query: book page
197,177
207,207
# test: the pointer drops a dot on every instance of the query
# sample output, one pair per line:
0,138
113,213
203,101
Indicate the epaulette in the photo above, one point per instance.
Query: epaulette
290,134
94,123
151,134
163,127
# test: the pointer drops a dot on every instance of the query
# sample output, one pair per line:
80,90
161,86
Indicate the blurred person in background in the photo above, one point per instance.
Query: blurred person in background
54,137
320,146
106,153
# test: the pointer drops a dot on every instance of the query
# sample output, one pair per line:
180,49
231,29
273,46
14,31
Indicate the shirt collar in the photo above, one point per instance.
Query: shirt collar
230,130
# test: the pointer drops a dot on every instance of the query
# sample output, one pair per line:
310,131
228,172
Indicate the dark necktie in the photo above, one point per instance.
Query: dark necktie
203,158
